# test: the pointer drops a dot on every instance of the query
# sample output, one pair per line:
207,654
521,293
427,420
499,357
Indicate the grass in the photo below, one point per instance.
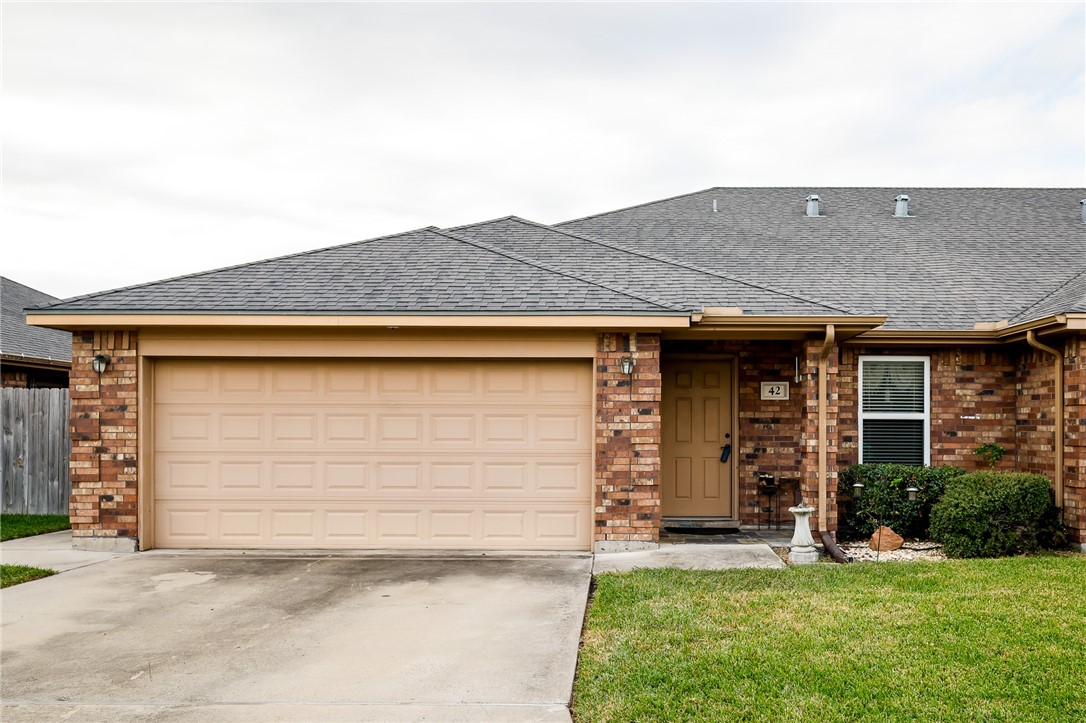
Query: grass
15,574
16,526
993,640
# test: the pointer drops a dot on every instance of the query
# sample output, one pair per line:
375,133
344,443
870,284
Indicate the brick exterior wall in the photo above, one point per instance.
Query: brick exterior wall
1074,454
1035,422
767,438
1004,396
812,350
103,504
972,402
627,474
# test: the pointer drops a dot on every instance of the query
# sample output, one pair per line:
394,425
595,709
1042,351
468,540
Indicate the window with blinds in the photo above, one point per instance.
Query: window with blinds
894,410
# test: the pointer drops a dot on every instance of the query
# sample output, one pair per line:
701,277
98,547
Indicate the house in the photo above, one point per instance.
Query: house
509,384
30,357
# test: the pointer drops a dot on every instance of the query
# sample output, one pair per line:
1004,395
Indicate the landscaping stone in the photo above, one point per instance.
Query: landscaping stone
886,540
910,551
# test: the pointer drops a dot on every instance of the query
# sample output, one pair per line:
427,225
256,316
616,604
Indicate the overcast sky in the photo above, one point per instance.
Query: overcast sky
147,140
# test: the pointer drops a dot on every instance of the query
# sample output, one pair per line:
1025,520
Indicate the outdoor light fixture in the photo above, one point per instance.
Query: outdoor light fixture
912,490
627,365
100,362
857,490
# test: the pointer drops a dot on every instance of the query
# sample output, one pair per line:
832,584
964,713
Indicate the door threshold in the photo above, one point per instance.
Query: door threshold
726,523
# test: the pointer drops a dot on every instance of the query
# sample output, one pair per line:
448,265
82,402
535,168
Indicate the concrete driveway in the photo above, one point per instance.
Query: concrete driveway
296,637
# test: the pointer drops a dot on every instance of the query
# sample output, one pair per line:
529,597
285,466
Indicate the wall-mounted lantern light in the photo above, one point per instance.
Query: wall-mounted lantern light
627,365
101,362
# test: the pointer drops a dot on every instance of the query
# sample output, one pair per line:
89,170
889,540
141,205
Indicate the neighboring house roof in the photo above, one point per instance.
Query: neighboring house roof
32,343
965,255
424,271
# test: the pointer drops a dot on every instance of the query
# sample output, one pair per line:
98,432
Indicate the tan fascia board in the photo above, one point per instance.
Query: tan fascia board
846,326
74,322
1076,321
996,334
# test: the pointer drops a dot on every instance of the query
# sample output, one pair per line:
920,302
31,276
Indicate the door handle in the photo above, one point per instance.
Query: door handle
725,452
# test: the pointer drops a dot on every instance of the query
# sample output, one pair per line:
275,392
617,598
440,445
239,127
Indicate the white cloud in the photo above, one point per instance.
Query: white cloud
149,140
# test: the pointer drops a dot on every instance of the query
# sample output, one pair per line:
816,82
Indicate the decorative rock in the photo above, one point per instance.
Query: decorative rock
910,551
886,540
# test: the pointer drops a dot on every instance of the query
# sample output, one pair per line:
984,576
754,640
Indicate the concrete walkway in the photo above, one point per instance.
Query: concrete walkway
52,551
691,557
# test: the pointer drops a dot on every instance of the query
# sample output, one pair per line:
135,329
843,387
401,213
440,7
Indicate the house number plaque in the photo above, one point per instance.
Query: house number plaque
774,390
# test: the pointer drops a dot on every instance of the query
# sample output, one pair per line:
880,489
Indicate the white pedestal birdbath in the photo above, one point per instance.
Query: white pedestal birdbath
802,551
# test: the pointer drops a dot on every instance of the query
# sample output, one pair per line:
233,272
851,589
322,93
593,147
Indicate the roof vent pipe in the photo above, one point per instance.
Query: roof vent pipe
812,206
1083,204
901,210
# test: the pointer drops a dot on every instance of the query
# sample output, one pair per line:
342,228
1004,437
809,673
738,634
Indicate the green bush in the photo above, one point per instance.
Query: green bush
885,500
992,514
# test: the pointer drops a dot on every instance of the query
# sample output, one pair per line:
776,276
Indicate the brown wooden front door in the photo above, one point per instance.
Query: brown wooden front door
696,421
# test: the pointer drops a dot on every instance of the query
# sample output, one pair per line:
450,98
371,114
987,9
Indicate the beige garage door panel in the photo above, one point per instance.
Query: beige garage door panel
375,453
338,524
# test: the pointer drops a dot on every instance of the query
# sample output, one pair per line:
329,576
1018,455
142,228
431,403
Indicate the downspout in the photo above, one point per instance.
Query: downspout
823,367
828,543
1057,482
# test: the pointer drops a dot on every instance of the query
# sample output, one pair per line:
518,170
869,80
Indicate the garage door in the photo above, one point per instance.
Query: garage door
363,454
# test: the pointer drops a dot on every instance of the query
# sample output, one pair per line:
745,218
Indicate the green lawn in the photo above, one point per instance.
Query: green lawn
993,640
15,574
15,526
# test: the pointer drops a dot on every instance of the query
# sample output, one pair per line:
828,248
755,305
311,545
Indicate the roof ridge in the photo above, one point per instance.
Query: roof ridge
681,264
822,187
554,270
82,297
511,216
641,205
1070,280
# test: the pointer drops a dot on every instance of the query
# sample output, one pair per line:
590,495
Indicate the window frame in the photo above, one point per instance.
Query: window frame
925,415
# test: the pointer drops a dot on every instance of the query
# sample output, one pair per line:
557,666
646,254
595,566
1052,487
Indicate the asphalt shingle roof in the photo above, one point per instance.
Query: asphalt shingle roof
1070,297
30,342
673,281
965,255
423,271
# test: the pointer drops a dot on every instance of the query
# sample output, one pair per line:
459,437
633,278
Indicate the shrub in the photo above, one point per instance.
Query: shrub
886,500
992,514
991,453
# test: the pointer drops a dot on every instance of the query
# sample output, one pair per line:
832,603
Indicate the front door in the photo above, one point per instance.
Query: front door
696,424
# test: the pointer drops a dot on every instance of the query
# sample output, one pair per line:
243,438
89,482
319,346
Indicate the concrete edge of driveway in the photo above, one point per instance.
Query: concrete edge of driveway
287,713
52,551
415,554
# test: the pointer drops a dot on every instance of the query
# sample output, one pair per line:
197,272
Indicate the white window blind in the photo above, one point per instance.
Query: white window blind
894,410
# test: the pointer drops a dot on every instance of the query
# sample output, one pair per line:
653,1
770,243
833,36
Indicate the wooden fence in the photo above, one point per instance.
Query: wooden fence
35,449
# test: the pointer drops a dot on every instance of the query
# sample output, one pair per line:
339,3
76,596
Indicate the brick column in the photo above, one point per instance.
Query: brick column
809,483
1074,453
627,479
103,505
